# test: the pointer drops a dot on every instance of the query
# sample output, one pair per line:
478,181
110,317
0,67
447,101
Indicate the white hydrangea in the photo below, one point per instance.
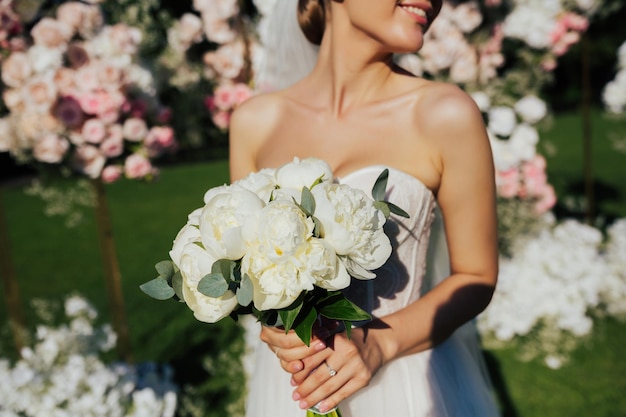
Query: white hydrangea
614,93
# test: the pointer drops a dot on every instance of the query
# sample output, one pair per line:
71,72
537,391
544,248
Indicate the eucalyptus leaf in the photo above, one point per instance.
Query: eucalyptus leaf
177,285
380,186
318,228
245,291
307,201
157,288
213,285
165,269
384,207
223,267
398,211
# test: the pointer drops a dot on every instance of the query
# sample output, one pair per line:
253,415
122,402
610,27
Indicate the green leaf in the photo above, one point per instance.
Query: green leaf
157,288
213,285
307,202
318,228
319,180
398,211
384,207
245,291
304,328
380,186
340,308
288,316
165,269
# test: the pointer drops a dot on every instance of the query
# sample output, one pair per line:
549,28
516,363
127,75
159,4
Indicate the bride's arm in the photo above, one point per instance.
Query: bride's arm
452,124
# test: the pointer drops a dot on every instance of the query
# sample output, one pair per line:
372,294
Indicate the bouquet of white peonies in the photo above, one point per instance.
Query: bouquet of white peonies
280,244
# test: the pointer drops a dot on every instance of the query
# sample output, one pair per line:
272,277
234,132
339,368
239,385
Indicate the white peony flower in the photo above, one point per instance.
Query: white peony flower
523,141
190,233
482,100
277,237
221,222
353,227
303,173
262,183
195,264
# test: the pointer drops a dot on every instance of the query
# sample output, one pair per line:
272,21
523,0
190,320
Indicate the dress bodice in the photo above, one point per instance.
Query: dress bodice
400,281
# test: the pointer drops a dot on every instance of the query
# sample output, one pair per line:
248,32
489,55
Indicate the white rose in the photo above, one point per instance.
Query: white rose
502,120
277,236
221,222
523,141
195,264
482,100
303,173
411,63
531,109
353,227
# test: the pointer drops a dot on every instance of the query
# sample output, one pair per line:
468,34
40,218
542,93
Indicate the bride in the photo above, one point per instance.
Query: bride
359,112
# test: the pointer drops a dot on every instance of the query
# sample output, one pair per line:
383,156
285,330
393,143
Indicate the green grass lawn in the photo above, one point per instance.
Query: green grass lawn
52,261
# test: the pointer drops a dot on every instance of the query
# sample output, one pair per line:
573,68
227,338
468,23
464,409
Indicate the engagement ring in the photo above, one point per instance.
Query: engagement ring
331,371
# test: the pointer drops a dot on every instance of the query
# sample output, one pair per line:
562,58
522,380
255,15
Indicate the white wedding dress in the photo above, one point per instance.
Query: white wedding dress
447,381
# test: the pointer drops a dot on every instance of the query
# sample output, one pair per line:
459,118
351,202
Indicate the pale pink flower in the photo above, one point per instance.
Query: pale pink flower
112,146
534,176
464,68
13,99
217,30
94,131
69,112
227,60
71,14
508,182
111,173
135,129
221,119
189,29
411,63
64,80
88,160
51,148
137,166
575,22
241,92
467,16
219,9
546,201
125,38
16,69
87,78
99,102
51,33
40,93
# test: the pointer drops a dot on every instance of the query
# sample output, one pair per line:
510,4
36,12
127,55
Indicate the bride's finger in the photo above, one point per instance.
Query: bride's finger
310,364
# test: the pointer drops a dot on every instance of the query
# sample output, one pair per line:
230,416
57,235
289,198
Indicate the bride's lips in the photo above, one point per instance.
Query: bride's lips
418,11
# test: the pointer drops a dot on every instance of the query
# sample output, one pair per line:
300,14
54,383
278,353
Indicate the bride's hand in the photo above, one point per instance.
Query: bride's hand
292,352
337,372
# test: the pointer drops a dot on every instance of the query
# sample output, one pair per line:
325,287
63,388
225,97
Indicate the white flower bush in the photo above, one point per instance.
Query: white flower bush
62,375
614,93
549,290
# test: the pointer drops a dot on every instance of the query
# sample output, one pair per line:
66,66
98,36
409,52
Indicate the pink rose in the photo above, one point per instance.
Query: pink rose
159,138
137,166
87,78
224,96
88,160
126,38
16,69
508,183
51,33
98,102
221,119
51,148
242,92
71,13
575,22
190,29
227,61
111,173
209,103
93,131
546,201
69,112
135,129
112,146
217,30
109,75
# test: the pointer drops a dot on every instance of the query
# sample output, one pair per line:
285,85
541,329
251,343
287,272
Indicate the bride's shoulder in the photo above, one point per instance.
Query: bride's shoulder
445,109
257,116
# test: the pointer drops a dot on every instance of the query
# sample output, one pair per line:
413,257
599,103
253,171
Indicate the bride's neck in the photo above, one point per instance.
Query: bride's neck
350,72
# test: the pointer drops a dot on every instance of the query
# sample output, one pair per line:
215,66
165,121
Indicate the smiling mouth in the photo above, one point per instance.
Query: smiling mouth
420,14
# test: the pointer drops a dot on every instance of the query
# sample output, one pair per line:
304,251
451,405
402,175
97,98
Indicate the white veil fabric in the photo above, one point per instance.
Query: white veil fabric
288,55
